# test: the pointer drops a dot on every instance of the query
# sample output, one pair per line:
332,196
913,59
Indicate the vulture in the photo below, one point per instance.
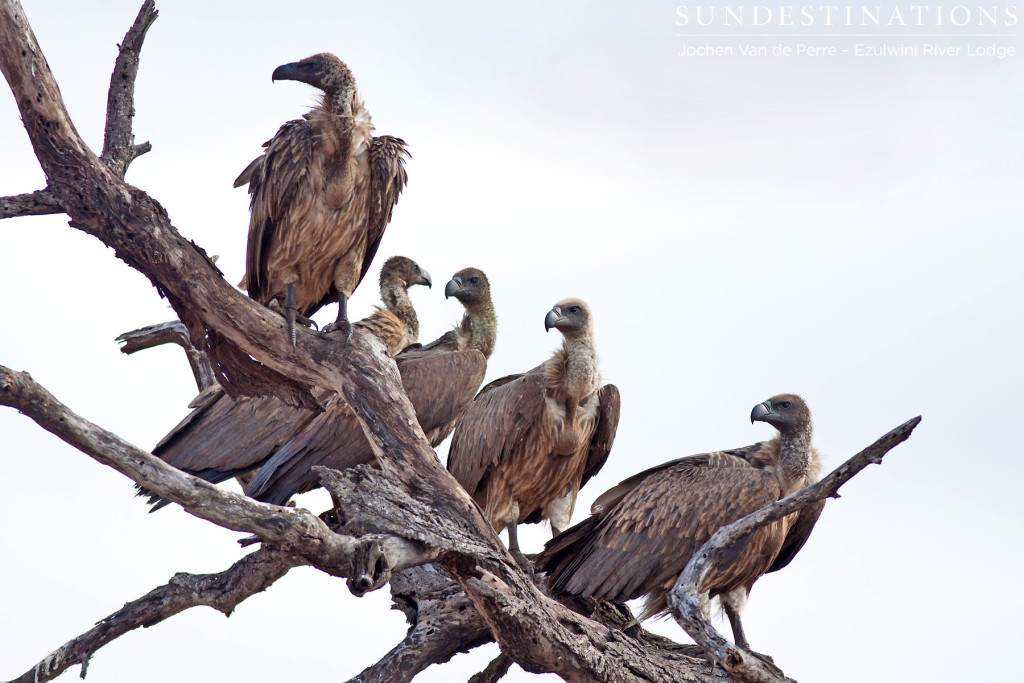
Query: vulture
644,531
225,437
396,323
440,379
322,193
529,442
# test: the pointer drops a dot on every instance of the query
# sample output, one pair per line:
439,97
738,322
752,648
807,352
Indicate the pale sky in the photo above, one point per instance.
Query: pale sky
846,229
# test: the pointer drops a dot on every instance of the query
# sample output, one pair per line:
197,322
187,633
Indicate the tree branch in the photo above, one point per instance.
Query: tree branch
688,600
223,592
119,148
172,332
38,203
292,530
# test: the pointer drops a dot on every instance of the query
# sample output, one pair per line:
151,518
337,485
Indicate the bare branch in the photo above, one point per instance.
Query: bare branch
172,332
494,671
292,530
119,148
38,203
222,591
689,602
442,623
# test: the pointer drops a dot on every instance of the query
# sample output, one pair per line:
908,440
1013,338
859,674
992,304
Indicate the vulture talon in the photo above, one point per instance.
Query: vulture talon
342,326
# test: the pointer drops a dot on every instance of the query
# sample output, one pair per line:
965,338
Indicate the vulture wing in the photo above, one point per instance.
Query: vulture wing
224,437
641,543
440,386
387,180
604,434
798,534
276,181
497,421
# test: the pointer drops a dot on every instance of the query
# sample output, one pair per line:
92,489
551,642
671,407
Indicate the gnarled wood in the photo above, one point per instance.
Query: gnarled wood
222,591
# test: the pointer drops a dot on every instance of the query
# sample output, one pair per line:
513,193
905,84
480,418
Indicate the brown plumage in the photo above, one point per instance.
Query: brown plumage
322,194
396,323
529,442
224,437
645,530
440,379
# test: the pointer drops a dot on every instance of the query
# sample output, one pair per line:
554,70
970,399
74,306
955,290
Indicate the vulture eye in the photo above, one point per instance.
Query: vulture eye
574,309
787,404
475,280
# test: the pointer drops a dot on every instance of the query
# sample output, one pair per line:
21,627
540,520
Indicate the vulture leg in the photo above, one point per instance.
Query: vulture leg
341,324
289,311
517,554
737,627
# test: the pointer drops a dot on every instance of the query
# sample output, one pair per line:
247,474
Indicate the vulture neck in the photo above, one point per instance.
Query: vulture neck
573,370
396,299
482,326
341,100
795,455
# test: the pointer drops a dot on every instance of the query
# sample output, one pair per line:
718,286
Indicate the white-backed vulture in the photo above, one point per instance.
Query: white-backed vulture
322,194
440,379
224,437
529,442
644,531
396,323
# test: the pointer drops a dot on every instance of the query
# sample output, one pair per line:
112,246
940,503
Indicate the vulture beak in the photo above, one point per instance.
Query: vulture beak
424,279
760,411
453,287
287,72
552,318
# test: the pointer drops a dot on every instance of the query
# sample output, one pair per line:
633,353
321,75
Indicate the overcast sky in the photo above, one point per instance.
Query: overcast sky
846,229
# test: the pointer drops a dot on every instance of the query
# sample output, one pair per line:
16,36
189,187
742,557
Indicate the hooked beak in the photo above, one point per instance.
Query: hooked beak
760,411
424,279
552,318
287,72
453,287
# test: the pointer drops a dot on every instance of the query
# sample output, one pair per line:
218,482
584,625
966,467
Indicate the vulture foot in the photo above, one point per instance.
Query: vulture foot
341,324
523,561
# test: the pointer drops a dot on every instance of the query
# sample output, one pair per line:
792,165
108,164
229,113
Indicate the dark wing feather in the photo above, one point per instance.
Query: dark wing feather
274,178
798,535
613,495
388,177
224,437
496,423
604,434
646,539
439,385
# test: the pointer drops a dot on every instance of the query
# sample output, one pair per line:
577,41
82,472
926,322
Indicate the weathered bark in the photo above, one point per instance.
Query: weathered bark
223,592
172,332
38,203
409,512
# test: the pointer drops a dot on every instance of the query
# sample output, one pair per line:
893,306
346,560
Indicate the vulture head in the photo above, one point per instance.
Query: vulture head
785,412
570,316
323,71
470,287
404,272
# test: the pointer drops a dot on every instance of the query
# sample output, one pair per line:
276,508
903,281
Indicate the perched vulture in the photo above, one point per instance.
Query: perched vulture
396,323
225,437
322,194
529,442
440,379
644,531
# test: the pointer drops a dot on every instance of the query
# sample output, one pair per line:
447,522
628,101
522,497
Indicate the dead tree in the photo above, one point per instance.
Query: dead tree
392,522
